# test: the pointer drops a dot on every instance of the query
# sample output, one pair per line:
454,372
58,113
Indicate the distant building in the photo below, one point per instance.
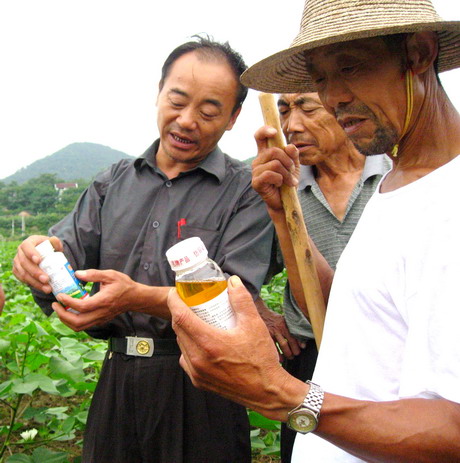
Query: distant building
61,187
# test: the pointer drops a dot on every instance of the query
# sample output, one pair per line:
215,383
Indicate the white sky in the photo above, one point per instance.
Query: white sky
87,70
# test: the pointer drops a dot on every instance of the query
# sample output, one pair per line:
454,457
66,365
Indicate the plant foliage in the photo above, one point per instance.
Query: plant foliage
48,374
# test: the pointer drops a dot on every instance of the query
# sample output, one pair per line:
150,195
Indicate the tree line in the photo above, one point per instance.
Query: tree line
39,202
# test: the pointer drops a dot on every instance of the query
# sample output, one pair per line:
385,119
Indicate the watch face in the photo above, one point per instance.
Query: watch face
302,421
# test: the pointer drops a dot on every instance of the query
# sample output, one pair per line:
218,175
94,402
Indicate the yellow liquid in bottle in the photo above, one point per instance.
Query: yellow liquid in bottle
194,293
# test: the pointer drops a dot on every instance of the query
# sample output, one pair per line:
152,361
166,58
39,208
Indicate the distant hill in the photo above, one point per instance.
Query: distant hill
78,161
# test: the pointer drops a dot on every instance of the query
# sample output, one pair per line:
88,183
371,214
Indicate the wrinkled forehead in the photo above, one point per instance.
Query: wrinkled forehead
297,99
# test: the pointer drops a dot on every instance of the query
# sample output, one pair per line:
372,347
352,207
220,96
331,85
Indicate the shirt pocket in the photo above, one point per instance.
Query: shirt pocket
210,238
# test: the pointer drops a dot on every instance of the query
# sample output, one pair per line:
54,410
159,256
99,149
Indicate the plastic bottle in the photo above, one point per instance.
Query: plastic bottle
62,277
200,282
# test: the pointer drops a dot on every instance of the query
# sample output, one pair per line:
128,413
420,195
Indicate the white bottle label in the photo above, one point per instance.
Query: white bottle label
217,312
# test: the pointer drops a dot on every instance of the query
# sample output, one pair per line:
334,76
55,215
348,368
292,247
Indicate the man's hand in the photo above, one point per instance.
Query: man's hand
279,331
118,294
115,297
273,167
241,363
25,263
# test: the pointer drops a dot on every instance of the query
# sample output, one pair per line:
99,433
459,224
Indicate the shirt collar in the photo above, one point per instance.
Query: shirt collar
374,165
214,163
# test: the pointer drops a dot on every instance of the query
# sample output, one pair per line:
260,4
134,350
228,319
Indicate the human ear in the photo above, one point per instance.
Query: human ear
233,119
422,50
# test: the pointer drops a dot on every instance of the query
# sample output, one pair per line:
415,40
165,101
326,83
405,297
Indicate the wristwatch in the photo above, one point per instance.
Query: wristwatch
304,418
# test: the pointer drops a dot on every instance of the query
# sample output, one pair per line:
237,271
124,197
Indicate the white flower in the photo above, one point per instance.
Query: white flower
30,434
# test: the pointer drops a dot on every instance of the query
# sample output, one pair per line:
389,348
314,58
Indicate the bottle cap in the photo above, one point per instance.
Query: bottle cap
186,253
44,248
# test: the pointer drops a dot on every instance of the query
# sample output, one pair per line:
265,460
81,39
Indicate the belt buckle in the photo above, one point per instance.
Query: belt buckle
139,347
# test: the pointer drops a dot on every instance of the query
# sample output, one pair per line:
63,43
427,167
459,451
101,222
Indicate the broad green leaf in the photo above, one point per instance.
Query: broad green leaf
65,390
64,369
36,414
68,424
5,387
36,360
40,330
82,417
58,412
259,421
94,355
19,338
53,340
60,328
20,458
66,437
4,345
67,342
24,387
73,358
42,455
272,450
85,386
269,438
45,383
257,443
31,328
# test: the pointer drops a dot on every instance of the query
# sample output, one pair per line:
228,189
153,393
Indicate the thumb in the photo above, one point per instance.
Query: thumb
240,298
92,275
56,243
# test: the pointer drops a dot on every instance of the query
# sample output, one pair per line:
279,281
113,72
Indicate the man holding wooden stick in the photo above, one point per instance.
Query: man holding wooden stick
387,382
336,182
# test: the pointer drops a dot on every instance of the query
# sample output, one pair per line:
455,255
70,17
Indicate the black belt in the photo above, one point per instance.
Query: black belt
144,347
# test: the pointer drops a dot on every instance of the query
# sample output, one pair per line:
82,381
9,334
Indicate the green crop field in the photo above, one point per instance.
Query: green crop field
48,373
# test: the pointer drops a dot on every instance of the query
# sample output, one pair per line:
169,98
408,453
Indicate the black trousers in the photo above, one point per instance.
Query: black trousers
146,410
302,367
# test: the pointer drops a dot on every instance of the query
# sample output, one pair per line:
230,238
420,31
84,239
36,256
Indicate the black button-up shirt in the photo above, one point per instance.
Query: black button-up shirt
132,213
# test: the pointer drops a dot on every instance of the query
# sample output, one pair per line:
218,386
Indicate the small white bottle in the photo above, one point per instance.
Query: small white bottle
62,277
200,282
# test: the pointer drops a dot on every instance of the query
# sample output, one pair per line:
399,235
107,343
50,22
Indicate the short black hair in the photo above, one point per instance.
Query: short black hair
208,47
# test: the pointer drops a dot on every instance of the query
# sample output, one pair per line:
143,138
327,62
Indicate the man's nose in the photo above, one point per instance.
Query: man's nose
295,122
187,118
335,93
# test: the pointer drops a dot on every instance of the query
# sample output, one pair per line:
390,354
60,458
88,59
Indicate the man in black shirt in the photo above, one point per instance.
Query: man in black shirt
145,409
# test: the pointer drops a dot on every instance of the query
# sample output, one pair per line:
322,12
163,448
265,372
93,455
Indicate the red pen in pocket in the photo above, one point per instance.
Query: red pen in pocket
179,224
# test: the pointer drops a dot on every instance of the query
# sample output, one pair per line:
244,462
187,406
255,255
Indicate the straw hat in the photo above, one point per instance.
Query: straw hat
325,22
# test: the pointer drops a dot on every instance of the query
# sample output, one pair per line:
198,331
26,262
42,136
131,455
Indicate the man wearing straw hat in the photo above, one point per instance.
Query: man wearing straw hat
387,382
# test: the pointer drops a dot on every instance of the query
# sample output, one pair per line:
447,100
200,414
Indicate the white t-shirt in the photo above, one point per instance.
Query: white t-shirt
393,319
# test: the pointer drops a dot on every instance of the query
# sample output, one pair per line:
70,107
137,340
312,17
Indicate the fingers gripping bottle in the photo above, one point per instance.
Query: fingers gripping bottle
62,277
201,283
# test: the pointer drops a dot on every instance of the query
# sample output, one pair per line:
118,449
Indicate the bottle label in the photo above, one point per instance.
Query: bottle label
217,312
63,280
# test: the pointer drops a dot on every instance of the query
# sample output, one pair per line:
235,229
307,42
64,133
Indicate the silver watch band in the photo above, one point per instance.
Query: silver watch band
304,417
314,399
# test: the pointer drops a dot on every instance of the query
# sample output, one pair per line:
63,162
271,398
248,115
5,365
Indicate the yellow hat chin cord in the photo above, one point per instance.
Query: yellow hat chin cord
409,107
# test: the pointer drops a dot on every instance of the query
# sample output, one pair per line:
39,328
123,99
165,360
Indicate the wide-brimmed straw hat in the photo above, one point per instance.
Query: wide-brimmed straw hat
326,22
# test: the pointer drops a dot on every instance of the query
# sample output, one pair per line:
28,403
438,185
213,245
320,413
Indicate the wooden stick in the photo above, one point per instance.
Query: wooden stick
298,231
